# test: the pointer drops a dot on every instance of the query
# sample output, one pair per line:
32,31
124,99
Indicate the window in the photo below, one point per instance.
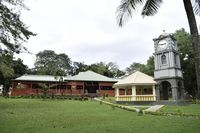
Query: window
107,88
163,59
62,86
36,86
69,87
144,90
79,87
175,62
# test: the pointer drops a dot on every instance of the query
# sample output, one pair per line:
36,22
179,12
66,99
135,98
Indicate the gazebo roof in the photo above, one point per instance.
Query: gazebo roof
137,78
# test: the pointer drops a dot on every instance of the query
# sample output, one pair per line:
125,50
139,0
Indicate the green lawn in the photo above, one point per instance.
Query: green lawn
189,109
50,116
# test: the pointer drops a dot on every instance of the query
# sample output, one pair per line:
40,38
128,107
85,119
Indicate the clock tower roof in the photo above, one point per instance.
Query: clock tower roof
164,35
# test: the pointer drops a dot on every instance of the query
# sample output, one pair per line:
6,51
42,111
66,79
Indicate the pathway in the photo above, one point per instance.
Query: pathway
154,108
151,108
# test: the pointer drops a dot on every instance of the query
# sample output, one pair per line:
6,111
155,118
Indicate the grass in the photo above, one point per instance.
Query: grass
189,109
49,116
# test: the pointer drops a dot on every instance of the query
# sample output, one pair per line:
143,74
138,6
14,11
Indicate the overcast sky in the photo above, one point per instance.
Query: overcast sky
87,30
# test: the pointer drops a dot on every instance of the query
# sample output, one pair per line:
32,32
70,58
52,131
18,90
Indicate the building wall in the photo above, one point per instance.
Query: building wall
64,88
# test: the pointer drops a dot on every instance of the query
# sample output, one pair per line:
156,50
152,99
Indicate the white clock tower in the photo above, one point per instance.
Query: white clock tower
168,73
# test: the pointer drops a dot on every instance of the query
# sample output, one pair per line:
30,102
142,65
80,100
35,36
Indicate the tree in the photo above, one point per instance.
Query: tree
113,67
145,68
101,68
110,69
19,68
78,67
13,32
187,60
50,63
9,69
133,67
151,7
149,67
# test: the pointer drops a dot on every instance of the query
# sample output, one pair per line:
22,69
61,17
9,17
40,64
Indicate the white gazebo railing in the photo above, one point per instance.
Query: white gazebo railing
136,98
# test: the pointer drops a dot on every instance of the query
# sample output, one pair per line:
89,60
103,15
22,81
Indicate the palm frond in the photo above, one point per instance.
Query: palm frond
124,10
151,7
196,6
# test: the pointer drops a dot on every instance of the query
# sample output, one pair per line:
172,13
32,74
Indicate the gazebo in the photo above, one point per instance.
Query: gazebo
135,87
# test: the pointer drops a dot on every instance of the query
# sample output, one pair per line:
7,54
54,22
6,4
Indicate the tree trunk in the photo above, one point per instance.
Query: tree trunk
195,39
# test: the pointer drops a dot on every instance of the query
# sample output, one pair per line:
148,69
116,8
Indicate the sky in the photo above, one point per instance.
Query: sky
87,30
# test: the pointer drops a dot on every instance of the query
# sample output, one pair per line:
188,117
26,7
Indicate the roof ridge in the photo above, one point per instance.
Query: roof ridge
35,75
98,74
136,75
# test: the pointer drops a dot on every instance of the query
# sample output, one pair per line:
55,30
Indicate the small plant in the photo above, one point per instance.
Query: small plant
140,112
100,102
52,96
196,101
104,95
85,98
69,98
180,112
75,98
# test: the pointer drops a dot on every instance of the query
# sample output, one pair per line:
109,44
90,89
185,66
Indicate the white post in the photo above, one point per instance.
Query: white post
133,93
154,92
117,93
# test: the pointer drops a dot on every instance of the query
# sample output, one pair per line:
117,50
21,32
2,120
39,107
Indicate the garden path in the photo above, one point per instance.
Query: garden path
154,108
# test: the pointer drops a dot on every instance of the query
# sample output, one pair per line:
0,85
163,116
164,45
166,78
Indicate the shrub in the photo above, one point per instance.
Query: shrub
75,98
52,96
179,111
140,112
196,101
70,98
85,98
104,95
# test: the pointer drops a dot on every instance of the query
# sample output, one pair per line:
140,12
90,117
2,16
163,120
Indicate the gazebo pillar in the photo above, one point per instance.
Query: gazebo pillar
126,89
117,93
133,93
154,92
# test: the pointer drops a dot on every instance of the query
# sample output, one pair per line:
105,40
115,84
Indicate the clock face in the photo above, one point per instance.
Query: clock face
162,44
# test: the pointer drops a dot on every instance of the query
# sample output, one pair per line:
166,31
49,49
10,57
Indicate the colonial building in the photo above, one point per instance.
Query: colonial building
85,83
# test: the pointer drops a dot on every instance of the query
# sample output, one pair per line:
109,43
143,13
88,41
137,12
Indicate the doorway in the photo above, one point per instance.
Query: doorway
165,91
92,87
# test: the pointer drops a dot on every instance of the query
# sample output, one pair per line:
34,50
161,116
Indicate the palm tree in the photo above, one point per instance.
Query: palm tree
151,7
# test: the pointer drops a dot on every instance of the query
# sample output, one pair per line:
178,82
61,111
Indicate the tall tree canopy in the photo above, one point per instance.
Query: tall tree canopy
187,61
150,7
145,68
110,69
9,69
13,32
133,67
50,63
78,67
